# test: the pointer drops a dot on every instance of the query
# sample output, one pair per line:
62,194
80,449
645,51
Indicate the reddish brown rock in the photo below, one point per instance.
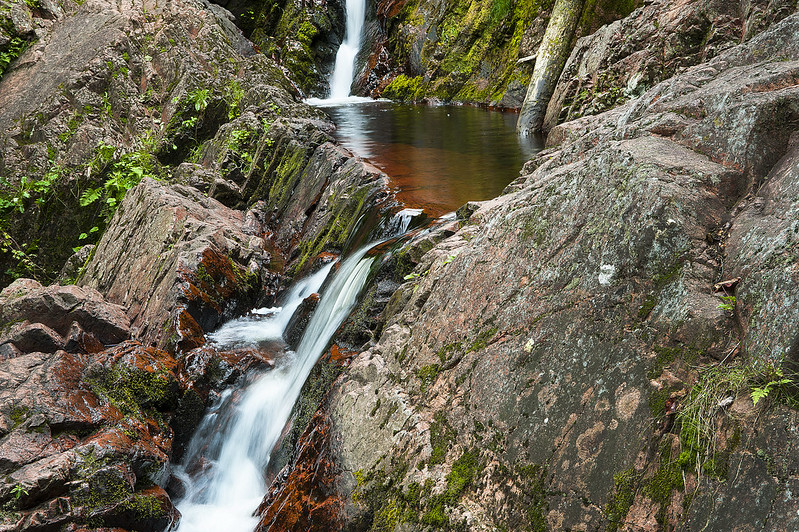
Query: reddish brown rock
80,431
179,262
43,318
303,496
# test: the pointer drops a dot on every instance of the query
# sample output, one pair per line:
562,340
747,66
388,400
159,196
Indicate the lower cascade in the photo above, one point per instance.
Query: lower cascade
236,438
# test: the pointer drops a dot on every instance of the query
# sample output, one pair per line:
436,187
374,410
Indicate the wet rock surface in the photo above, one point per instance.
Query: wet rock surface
542,368
84,438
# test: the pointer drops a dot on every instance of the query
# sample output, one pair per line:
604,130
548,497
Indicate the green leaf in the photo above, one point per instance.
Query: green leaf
758,394
89,196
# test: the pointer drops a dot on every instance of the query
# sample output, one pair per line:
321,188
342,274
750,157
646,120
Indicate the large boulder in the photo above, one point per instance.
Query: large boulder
179,262
47,319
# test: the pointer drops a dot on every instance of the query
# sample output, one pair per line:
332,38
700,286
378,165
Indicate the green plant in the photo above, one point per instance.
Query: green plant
777,380
233,98
199,97
718,385
13,49
26,263
18,491
705,408
124,175
729,303
18,193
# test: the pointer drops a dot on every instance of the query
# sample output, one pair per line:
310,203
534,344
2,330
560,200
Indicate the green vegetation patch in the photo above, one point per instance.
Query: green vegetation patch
625,485
135,391
442,436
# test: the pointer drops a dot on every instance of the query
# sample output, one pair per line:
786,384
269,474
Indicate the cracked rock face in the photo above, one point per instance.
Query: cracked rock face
530,375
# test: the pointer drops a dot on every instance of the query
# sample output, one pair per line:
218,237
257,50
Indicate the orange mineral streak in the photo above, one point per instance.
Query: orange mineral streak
305,500
340,355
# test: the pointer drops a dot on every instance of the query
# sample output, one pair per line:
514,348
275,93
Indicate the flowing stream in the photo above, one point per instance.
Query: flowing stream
438,158
237,450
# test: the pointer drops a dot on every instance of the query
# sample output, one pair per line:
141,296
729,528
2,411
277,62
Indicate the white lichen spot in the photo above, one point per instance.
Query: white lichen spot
606,273
529,345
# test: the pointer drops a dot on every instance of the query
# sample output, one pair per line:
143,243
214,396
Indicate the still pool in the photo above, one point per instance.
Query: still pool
438,157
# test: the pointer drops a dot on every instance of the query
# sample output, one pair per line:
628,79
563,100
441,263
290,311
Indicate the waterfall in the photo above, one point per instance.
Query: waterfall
224,495
343,72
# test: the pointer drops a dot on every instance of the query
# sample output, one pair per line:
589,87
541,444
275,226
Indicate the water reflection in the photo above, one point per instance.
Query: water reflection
438,157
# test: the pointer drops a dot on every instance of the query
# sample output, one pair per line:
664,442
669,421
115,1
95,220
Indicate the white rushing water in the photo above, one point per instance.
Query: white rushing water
230,487
343,71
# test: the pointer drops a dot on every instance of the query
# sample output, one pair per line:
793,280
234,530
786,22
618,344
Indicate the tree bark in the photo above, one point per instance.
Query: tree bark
552,56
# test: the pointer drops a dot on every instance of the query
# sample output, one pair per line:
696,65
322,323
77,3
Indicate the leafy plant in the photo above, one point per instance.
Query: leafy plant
729,303
13,49
18,491
233,98
124,175
19,193
777,380
199,97
717,388
26,264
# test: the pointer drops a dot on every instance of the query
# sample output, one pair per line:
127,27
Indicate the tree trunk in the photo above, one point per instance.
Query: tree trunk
552,56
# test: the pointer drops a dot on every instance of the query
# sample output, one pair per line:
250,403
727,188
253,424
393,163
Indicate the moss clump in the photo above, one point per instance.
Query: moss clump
144,506
481,340
104,487
625,484
662,484
18,415
647,306
428,374
404,89
442,435
463,473
668,354
134,391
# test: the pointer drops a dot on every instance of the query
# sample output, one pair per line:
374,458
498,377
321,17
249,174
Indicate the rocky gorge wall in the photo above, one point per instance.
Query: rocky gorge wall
610,345
579,353
168,178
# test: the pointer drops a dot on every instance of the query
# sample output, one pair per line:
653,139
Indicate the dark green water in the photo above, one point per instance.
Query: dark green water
437,157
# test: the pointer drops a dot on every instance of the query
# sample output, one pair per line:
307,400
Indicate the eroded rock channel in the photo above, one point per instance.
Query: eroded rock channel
608,344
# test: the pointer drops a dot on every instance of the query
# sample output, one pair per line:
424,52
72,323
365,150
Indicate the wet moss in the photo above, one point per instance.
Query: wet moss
625,485
442,436
346,210
135,391
144,506
404,88
668,478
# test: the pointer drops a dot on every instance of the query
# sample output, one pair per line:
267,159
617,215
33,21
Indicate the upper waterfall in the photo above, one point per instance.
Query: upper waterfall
343,71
